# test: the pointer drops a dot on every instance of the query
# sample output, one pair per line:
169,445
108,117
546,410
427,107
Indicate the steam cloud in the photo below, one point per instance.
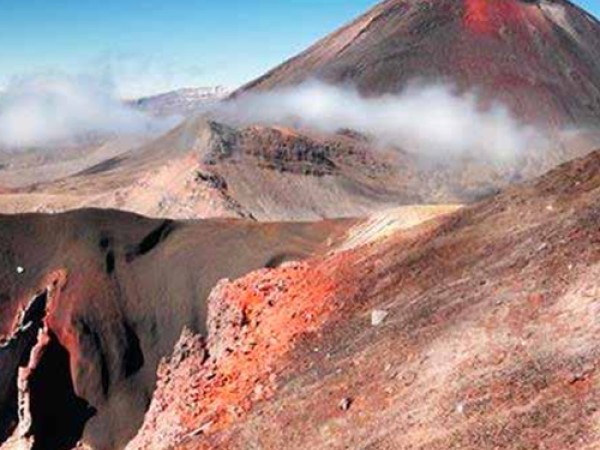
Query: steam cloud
431,121
45,110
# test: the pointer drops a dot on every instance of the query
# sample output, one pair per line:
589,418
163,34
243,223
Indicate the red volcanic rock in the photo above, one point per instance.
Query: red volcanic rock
488,16
541,58
253,323
490,339
111,294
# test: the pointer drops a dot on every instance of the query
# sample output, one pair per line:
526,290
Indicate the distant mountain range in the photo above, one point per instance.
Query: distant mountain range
181,101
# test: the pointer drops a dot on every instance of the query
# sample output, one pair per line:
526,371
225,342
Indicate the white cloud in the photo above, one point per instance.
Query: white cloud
431,121
45,109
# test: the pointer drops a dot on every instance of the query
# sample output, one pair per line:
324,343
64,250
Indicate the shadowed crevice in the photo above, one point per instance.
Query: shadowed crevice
151,241
58,415
133,358
15,353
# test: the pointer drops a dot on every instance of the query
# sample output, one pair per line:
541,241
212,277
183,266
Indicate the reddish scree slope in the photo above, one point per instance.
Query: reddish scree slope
490,338
548,50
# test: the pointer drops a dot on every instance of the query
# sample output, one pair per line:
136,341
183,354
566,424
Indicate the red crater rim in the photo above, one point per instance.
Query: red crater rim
487,16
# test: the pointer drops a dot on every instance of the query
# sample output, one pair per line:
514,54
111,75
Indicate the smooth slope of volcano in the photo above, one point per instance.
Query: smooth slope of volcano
477,330
539,57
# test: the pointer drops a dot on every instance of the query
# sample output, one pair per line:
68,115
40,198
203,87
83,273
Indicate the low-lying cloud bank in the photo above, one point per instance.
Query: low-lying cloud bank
432,121
50,109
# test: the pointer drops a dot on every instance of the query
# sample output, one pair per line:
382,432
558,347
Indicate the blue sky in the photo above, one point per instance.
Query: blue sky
592,6
155,45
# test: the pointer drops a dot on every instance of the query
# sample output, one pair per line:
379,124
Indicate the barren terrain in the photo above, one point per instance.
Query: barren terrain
249,285
474,330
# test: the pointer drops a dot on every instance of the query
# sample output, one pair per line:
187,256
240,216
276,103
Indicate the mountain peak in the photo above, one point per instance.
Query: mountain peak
549,50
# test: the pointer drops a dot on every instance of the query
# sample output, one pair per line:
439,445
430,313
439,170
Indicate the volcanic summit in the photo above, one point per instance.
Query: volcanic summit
539,57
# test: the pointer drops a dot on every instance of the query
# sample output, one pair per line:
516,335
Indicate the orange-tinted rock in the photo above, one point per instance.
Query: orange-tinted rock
119,290
490,339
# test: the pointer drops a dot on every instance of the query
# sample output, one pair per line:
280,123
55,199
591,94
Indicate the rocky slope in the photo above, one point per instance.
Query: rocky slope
206,169
539,57
476,330
91,300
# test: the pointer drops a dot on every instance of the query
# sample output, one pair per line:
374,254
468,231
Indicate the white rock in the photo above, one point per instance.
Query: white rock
345,404
377,317
460,408
20,269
